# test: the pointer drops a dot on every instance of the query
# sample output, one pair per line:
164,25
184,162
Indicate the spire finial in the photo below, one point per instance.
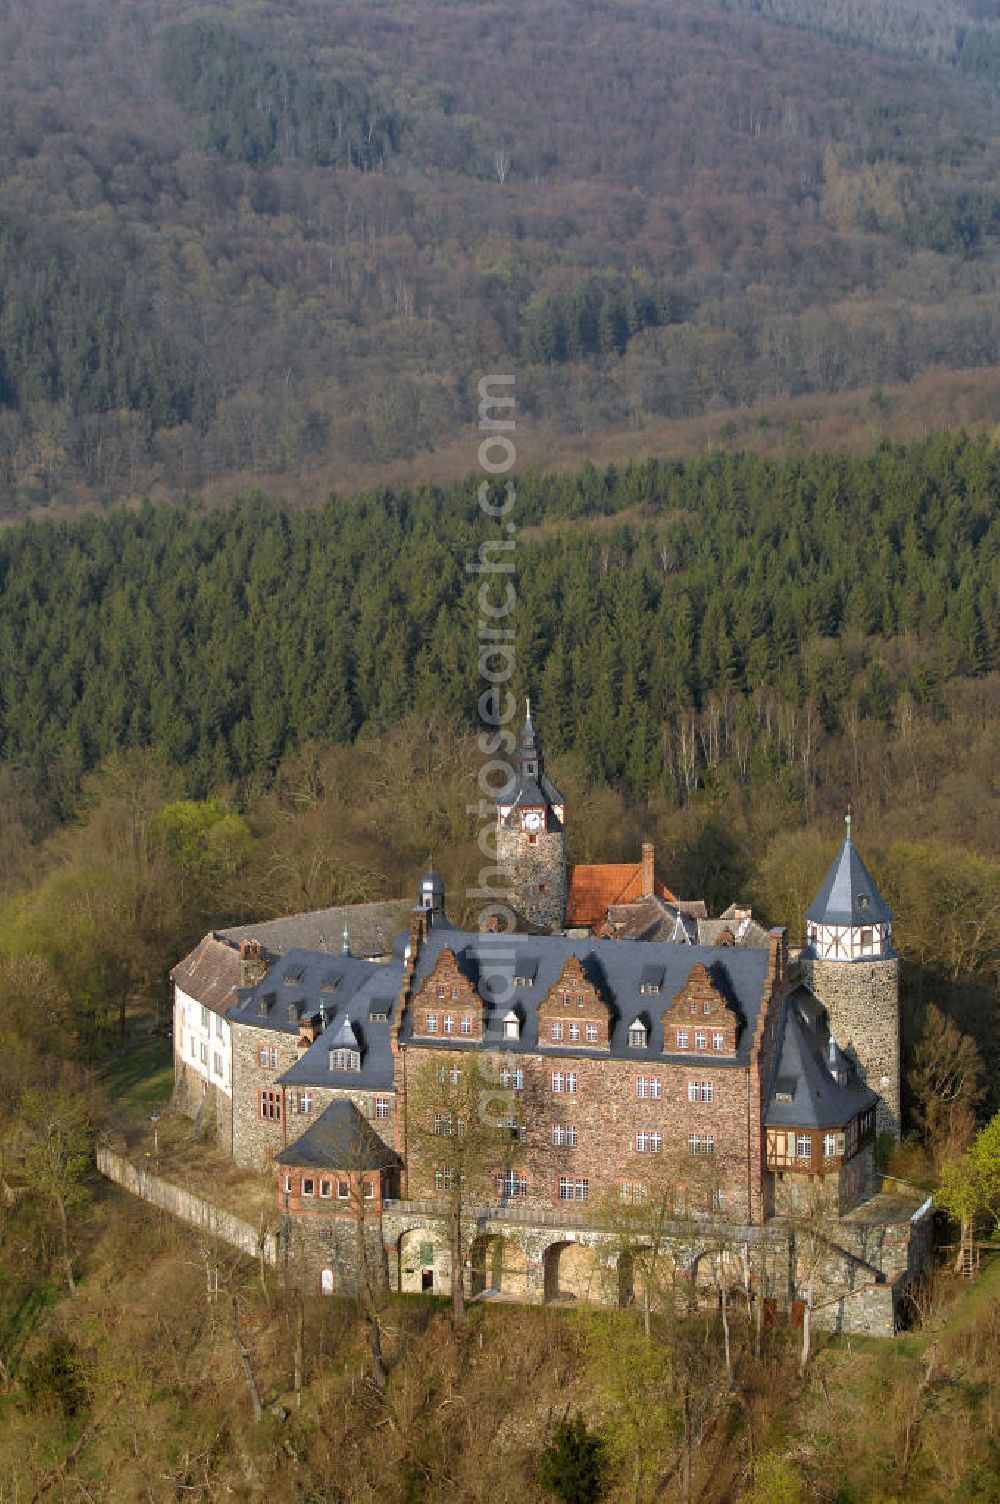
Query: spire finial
527,702
345,942
847,822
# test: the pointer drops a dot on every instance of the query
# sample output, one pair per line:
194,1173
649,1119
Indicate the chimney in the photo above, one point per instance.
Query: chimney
253,967
647,869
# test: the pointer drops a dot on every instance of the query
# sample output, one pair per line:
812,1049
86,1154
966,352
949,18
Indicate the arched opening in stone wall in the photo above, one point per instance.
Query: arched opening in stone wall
423,1264
571,1272
498,1267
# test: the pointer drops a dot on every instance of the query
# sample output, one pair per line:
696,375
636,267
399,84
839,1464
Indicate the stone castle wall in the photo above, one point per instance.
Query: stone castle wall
256,1139
536,874
862,998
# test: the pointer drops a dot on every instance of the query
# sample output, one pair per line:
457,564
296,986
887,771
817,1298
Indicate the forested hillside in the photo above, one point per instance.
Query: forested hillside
282,241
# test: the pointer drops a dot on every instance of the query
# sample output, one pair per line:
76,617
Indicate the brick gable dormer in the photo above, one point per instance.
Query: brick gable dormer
574,1011
698,1019
447,994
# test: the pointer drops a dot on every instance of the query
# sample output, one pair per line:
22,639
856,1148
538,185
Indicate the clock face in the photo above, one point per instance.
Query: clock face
533,820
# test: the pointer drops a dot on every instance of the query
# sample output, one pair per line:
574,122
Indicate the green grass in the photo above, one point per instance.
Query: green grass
141,1078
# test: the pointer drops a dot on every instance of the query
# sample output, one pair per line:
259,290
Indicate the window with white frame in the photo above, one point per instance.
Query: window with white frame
632,1192
465,1024
218,1025
267,1055
446,1125
217,1063
648,1143
649,1086
442,992
803,1146
564,1081
308,1186
305,1101
448,1024
564,1135
718,1040
382,1107
571,1189
444,1180
203,1052
343,1190
511,1026
368,1190
637,1035
574,1031
449,1075
431,1023
833,1144
700,1091
700,1039
204,1019
326,1189
511,1183
512,1079
701,1143
591,1032
557,1029
682,1039
194,1048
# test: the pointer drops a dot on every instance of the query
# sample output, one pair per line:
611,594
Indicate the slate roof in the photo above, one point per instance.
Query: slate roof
340,1139
595,888
493,963
744,929
365,1009
652,918
802,1072
210,974
849,894
371,928
311,980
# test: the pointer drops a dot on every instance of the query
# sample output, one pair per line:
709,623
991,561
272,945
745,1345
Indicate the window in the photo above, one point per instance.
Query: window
700,1039
448,1024
444,1180
682,1039
567,999
326,1189
431,1024
701,1143
345,1060
343,1190
369,1189
591,1033
574,1032
632,1192
706,1006
648,1143
305,1101
510,1183
446,1125
833,1144
513,1080
382,1107
716,1200
649,987
442,992
803,1146
518,1131
524,981
573,1190
288,1185
217,1063
308,1186
637,1036
203,1051
700,1091
557,1029
511,1027
194,1048
465,1023
218,1025
648,1086
269,1105
564,1135
718,1040
449,1075
558,1081
694,1007
267,1056
867,941
571,1082
454,994
204,1019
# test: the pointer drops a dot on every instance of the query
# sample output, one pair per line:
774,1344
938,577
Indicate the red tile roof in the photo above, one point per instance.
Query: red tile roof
593,889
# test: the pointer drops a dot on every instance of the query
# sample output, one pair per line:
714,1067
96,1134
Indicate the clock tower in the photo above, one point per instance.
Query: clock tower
531,838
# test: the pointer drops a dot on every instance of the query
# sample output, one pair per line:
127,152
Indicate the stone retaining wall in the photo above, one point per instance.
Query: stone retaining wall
188,1207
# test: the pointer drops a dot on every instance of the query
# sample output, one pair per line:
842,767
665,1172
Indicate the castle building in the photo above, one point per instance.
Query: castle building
665,1056
849,964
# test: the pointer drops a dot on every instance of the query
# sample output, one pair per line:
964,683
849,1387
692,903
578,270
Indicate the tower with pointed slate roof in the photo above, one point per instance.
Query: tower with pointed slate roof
849,964
531,836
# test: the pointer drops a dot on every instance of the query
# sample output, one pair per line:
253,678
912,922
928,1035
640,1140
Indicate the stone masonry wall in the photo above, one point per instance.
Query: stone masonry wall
527,866
256,1140
862,998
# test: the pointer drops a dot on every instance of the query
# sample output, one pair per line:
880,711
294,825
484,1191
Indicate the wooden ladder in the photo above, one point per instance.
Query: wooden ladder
968,1264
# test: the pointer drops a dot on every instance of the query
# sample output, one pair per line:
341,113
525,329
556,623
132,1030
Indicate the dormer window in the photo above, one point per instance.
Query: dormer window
511,1026
637,1035
345,1060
